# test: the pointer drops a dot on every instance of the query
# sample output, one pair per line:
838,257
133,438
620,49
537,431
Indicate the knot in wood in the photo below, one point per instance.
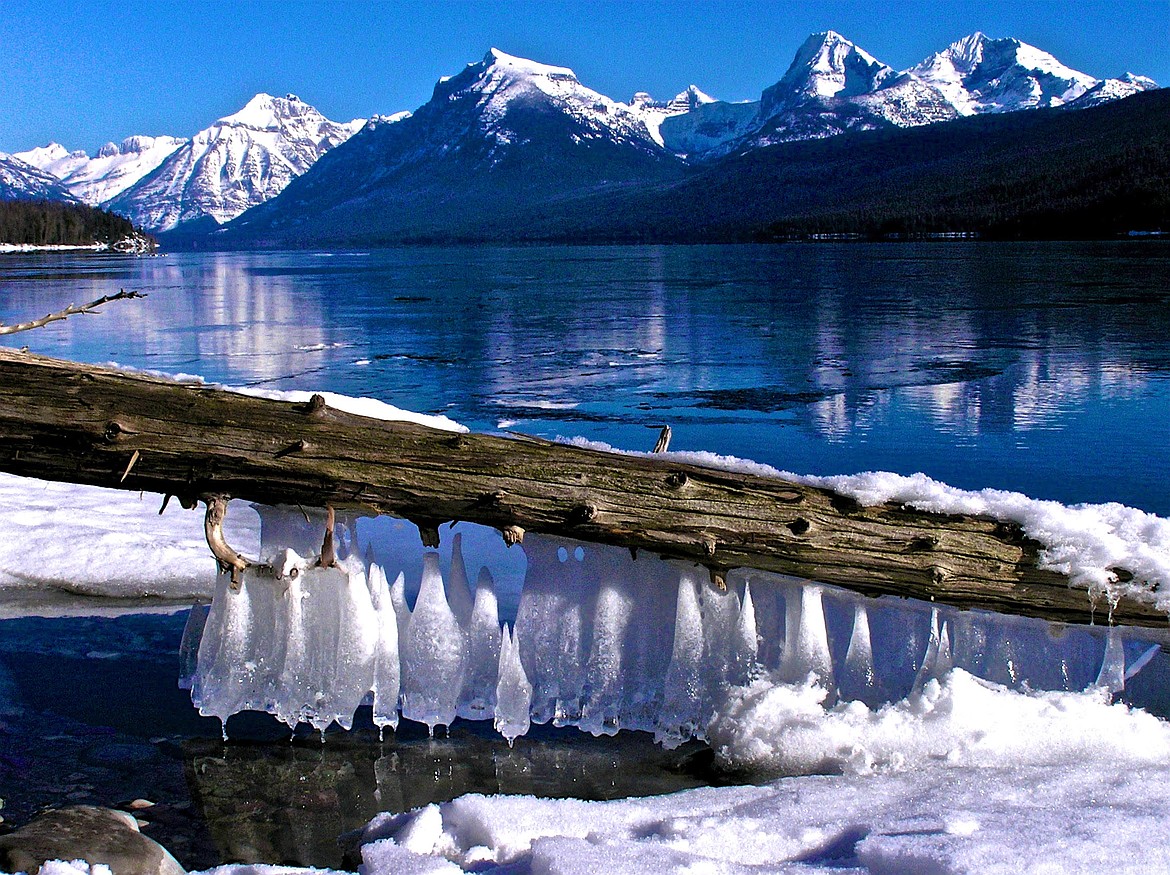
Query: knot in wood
923,544
297,446
582,513
677,479
490,499
798,526
115,431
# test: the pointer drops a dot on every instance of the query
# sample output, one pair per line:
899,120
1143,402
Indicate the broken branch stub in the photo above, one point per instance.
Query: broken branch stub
229,559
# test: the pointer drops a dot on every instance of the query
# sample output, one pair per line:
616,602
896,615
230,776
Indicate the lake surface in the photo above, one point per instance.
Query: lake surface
1042,368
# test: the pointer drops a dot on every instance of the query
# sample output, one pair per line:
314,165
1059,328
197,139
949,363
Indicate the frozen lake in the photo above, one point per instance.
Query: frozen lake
1041,368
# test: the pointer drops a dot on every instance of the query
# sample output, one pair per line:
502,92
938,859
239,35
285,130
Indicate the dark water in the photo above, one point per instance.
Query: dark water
1043,368
90,713
1036,367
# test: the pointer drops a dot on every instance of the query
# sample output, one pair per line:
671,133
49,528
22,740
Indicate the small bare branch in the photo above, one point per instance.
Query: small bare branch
71,310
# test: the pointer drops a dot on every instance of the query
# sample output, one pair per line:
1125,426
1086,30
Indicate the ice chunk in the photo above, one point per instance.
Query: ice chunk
289,527
746,642
458,588
685,690
646,656
432,654
720,614
387,666
601,711
218,688
478,700
806,641
1112,674
857,679
398,599
513,691
358,638
549,627
929,669
189,645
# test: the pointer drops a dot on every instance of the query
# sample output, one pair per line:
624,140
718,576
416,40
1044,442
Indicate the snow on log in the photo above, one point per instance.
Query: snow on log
100,426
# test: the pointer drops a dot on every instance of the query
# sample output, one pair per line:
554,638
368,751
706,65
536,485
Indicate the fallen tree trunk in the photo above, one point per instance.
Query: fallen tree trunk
92,425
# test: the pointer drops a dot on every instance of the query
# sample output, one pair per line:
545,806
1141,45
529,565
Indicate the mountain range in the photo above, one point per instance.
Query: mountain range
241,160
508,140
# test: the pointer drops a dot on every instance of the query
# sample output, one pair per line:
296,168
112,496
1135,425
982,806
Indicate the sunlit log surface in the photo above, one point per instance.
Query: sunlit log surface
98,426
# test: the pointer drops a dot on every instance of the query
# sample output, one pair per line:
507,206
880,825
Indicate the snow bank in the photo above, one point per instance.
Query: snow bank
1009,817
360,406
63,538
1086,542
777,728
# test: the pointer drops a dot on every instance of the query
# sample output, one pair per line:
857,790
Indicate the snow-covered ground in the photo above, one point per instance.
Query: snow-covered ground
987,744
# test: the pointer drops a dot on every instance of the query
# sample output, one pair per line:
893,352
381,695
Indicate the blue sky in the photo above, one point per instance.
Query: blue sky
86,72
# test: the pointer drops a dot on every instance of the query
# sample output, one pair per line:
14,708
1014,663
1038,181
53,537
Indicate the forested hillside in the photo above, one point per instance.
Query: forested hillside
53,223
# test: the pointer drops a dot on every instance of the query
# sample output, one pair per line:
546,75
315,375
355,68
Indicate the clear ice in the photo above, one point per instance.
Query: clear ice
432,654
562,632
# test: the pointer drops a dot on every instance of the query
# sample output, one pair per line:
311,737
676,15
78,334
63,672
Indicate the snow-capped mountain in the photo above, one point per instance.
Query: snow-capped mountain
978,74
831,86
826,65
1108,90
240,161
115,168
502,135
498,95
19,180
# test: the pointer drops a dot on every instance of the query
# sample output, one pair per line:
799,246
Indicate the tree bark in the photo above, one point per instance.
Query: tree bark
85,424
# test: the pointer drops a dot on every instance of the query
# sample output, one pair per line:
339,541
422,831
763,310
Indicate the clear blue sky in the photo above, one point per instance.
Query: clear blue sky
82,73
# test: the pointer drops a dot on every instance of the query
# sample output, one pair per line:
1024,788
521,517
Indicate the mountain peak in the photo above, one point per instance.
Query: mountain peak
826,65
979,74
265,112
689,100
239,161
512,65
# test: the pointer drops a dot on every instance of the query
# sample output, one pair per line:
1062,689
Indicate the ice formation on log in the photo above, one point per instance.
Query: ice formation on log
581,634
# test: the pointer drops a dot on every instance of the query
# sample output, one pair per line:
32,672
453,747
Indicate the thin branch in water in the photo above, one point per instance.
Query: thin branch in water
71,310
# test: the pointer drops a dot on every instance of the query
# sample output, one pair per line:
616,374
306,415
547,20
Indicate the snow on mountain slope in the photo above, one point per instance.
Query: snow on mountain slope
1106,90
653,112
978,74
115,168
20,180
240,161
708,128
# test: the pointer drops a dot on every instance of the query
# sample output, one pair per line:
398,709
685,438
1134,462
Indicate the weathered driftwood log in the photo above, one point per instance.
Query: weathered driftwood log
85,424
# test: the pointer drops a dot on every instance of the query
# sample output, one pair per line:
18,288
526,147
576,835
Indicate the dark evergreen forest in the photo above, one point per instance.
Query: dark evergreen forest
53,223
